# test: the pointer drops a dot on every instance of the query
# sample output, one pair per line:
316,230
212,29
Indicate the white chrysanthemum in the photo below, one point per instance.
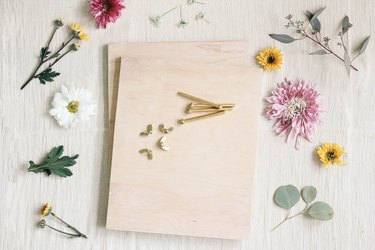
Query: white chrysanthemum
72,106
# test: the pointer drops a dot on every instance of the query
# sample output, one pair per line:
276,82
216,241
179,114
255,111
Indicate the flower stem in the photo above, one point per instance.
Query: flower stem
69,226
169,11
33,75
57,230
52,35
291,217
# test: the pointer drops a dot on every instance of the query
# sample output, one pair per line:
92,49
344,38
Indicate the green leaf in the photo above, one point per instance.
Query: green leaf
319,52
54,163
313,19
286,196
347,62
308,194
282,38
320,211
47,76
44,52
345,25
364,45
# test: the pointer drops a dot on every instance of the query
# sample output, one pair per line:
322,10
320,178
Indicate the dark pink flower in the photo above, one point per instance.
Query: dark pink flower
294,107
105,11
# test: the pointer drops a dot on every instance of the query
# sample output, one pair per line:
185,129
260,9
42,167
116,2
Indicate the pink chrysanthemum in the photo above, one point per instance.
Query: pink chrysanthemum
105,11
294,107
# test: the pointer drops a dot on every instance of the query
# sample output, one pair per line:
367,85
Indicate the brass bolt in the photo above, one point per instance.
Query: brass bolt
183,121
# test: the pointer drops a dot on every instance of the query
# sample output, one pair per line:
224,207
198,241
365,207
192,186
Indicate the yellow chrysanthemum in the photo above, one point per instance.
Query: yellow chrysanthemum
330,154
46,209
78,32
75,27
83,36
270,59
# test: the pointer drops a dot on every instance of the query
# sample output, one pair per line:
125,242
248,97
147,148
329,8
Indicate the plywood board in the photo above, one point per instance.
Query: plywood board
223,52
202,186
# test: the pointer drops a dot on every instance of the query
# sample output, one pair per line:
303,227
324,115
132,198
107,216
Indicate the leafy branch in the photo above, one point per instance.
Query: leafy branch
54,163
288,196
46,55
312,32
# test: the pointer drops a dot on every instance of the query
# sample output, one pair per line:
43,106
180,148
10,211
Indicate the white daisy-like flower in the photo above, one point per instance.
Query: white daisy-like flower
72,106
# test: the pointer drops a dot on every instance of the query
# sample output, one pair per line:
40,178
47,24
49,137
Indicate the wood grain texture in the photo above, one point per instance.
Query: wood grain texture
27,131
203,185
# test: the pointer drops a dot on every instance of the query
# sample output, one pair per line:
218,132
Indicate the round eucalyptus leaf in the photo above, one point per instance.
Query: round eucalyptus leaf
286,196
308,194
320,211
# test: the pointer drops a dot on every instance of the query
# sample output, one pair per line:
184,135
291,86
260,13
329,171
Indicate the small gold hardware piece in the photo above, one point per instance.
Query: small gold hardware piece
221,112
203,105
197,99
148,131
162,145
165,130
148,151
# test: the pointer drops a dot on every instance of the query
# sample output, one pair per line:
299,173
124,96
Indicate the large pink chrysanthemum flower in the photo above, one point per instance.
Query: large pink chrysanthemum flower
105,11
294,107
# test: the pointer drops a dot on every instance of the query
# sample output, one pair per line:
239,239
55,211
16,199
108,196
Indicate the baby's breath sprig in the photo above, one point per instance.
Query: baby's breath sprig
156,20
314,34
182,23
47,210
46,55
201,16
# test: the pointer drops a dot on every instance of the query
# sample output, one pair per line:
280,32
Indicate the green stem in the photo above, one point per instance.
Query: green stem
169,11
69,226
61,48
51,37
57,230
291,217
285,219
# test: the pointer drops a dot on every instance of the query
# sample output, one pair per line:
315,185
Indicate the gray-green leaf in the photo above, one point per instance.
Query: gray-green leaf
364,45
345,25
347,62
308,194
286,196
313,19
320,211
319,52
282,38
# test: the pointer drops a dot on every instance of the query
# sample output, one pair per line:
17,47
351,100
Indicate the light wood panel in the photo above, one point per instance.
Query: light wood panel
202,186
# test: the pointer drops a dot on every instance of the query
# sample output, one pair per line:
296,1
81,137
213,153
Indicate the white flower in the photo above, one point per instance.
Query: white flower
71,107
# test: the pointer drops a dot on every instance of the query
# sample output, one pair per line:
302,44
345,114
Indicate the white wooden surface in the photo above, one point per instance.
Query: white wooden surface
27,131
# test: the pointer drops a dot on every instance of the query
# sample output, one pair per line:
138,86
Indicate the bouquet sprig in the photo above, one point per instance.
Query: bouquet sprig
46,55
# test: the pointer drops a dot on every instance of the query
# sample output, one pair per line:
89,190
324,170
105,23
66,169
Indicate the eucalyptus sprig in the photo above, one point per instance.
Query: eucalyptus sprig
312,31
288,196
46,55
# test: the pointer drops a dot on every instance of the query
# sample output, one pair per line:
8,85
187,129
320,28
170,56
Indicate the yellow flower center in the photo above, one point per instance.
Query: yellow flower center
73,106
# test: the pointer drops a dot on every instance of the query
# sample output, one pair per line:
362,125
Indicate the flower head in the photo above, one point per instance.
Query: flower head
59,22
329,154
78,32
295,108
182,24
42,223
75,46
270,59
71,107
155,20
105,11
46,209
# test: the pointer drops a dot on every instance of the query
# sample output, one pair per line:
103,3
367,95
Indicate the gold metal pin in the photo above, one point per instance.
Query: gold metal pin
203,105
161,143
197,99
148,131
189,111
165,130
148,151
221,112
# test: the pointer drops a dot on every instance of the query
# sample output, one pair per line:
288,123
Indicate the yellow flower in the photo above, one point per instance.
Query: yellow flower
75,27
330,154
46,209
83,36
78,32
270,59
